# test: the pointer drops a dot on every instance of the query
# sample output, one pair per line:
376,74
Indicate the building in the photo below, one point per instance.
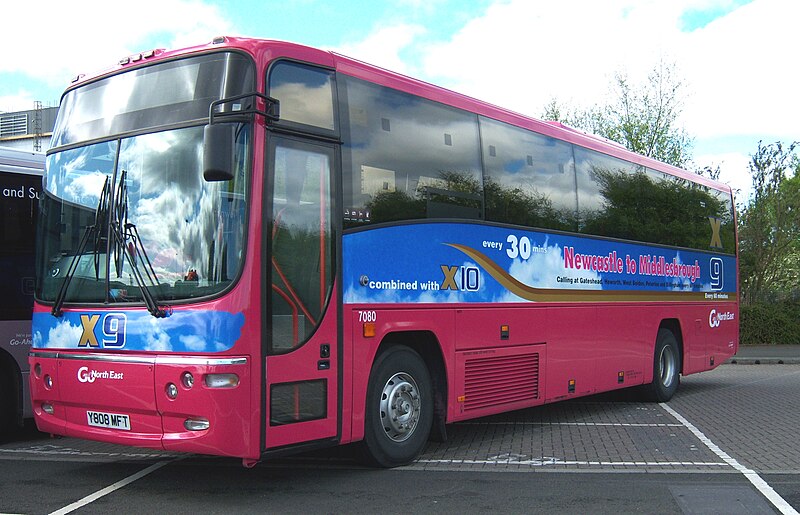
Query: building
28,130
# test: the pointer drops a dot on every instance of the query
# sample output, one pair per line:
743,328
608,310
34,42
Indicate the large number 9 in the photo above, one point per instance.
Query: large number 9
716,272
114,330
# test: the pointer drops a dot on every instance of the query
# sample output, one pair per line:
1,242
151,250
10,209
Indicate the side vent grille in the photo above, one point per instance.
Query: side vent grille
500,380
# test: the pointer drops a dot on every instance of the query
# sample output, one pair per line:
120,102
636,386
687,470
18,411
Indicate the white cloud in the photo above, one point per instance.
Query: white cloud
520,54
734,171
64,335
91,35
384,46
193,342
17,102
156,338
740,67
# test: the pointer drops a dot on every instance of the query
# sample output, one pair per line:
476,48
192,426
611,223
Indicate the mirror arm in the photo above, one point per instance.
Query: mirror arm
270,113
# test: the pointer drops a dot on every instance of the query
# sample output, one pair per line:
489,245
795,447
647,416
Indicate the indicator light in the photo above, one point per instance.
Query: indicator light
221,380
369,329
37,370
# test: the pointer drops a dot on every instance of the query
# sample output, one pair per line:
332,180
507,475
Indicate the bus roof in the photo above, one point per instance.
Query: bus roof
267,49
21,161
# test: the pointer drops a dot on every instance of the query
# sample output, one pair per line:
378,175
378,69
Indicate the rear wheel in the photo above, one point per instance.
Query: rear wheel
399,409
666,368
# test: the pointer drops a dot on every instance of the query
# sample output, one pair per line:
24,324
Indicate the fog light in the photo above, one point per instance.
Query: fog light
172,390
187,379
222,380
47,408
196,424
48,382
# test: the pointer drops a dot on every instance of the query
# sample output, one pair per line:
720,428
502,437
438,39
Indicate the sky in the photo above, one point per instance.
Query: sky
736,58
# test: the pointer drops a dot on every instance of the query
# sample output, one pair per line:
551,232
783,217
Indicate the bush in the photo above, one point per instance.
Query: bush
774,323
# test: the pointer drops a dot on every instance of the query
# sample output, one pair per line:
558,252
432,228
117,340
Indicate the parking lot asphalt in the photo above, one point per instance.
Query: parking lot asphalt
724,444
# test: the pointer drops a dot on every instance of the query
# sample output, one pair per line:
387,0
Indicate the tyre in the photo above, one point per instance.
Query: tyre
399,409
666,368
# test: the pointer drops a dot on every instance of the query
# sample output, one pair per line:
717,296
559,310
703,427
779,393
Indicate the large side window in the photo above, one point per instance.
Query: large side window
623,200
611,195
408,158
529,178
17,228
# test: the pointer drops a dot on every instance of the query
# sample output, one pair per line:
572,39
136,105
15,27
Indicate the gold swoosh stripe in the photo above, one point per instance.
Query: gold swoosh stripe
526,292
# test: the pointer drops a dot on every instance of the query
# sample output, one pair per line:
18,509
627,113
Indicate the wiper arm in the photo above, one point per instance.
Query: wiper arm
100,215
73,267
127,243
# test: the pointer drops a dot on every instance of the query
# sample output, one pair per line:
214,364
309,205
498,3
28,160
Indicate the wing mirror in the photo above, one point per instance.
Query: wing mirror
218,144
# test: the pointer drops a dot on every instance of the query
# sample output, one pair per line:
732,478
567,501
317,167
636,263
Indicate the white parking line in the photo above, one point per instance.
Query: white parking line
109,489
541,462
581,424
761,485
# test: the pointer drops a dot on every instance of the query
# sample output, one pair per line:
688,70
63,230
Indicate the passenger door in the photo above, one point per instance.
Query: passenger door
300,334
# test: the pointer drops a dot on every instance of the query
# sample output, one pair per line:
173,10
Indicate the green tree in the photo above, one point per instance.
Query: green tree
641,117
769,225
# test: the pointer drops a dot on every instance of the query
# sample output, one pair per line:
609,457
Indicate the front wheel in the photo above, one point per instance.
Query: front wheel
399,409
666,368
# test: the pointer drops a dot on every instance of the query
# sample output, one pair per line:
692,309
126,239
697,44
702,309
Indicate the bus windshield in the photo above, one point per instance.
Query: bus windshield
126,213
185,230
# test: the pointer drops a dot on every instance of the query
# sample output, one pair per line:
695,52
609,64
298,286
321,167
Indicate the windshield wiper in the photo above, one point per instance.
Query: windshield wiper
100,217
123,241
127,243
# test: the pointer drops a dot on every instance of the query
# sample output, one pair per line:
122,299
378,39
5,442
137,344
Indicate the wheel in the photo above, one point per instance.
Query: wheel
399,408
666,368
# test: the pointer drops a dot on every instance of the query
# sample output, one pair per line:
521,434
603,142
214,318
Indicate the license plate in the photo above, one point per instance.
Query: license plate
108,420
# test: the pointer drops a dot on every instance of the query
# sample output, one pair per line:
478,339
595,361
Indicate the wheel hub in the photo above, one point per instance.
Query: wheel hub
400,406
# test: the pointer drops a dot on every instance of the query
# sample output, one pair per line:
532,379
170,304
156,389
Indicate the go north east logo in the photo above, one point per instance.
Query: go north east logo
86,375
716,318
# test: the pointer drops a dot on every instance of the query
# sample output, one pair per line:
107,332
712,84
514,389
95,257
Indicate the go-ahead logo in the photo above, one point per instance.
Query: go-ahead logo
715,318
86,375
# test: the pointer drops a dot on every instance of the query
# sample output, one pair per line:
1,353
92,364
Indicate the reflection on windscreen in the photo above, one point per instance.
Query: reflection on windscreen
190,231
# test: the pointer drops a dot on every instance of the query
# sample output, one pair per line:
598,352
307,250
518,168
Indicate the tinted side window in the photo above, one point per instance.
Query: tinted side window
20,208
407,158
722,210
529,179
305,94
618,199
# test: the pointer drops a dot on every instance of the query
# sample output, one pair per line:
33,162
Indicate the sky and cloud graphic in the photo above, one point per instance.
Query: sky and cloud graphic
183,331
433,269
